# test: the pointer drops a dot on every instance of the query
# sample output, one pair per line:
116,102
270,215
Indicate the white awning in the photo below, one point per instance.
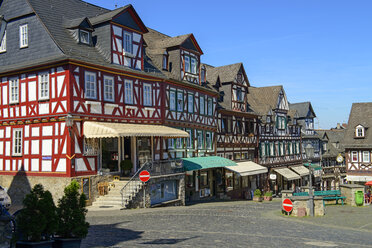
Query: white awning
358,178
247,168
301,170
287,173
111,130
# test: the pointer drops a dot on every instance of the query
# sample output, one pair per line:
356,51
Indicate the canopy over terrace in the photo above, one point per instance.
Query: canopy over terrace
200,163
135,141
111,130
287,173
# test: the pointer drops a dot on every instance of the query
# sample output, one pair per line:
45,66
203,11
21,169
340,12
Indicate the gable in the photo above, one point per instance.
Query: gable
129,20
282,101
188,44
85,24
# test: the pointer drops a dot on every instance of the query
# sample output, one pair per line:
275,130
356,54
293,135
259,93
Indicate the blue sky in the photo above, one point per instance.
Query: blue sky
320,51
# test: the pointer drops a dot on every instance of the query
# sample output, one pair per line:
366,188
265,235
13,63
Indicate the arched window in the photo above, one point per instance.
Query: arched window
359,131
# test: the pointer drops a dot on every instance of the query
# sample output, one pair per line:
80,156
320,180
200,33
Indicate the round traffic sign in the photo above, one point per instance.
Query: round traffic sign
144,176
287,205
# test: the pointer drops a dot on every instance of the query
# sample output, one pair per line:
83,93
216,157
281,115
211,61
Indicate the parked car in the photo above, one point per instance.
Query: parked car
4,198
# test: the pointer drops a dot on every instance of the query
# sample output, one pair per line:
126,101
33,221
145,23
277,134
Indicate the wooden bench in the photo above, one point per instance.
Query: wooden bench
327,195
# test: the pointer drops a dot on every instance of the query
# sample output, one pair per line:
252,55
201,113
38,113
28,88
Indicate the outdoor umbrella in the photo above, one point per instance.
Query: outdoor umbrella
369,183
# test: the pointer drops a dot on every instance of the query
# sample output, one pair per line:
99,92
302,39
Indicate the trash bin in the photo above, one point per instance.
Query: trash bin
359,198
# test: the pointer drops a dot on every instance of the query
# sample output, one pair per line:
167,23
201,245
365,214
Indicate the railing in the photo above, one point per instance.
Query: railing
156,168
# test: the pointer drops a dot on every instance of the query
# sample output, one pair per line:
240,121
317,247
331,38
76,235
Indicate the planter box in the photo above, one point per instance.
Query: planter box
66,243
257,198
41,244
268,198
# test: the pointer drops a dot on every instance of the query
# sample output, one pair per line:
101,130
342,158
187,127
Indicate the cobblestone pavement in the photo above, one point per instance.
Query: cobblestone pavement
229,224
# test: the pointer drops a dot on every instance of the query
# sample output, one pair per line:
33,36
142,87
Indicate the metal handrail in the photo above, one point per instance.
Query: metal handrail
134,178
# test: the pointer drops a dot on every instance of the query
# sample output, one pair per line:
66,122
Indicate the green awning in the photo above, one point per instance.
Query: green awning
314,166
200,163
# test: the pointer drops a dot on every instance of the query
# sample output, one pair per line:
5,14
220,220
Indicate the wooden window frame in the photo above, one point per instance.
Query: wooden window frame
190,104
13,85
173,106
128,91
17,142
109,92
23,36
88,82
147,95
43,86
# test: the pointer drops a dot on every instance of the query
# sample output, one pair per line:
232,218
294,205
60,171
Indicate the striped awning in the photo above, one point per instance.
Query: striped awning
287,173
247,168
111,130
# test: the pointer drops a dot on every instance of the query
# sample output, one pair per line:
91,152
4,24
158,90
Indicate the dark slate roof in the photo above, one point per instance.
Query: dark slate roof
263,99
360,114
108,15
304,109
227,73
332,136
14,8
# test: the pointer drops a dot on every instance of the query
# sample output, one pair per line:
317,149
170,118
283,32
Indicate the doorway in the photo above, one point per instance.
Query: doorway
110,155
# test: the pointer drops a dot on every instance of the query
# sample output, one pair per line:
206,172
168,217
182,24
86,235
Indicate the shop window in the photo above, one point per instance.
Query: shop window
204,178
91,147
164,191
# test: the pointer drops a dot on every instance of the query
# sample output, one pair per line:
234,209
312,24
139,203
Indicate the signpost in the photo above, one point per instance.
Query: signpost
144,176
287,205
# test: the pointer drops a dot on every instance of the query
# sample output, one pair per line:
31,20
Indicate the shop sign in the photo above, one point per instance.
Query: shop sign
272,176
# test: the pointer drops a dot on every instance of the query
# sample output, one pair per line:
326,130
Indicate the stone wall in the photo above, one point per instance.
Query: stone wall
303,202
5,231
349,190
137,202
20,185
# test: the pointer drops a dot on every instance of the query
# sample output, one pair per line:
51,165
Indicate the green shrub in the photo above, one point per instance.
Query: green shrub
268,193
71,213
257,192
38,220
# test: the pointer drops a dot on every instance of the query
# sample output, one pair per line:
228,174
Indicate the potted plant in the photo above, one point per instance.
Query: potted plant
126,166
268,196
37,221
257,195
71,212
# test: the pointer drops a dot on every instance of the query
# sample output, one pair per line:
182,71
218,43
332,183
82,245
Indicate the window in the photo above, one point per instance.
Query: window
203,178
239,95
190,103
165,62
91,147
263,150
238,127
90,85
171,144
147,95
187,64
201,105
3,44
14,91
223,125
366,156
23,36
108,88
268,119
127,42
189,139
281,122
43,86
17,142
200,140
210,106
354,156
84,37
359,131
298,147
272,151
193,65
208,140
172,100
229,126
128,91
179,143
180,101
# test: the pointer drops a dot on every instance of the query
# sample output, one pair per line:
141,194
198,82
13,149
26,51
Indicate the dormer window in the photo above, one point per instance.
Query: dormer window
268,119
193,65
23,36
239,78
202,74
84,37
239,95
165,61
359,131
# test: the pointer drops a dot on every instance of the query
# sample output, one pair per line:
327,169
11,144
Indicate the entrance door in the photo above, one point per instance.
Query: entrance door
110,155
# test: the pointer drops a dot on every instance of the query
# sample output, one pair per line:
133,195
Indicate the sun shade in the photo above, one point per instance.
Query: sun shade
248,168
301,170
287,173
199,163
110,130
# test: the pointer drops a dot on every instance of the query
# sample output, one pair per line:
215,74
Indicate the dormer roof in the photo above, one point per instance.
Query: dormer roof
304,109
81,22
227,73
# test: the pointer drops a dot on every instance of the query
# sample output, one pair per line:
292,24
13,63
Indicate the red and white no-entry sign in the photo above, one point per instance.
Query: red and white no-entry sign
144,176
287,205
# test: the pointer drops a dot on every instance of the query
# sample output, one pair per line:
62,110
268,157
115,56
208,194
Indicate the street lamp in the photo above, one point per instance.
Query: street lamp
309,150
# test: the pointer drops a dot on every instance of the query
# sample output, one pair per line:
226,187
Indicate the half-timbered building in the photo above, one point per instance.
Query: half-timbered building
358,144
236,129
76,99
279,137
